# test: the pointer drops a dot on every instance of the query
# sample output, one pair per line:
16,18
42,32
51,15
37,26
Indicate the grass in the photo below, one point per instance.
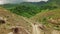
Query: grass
44,17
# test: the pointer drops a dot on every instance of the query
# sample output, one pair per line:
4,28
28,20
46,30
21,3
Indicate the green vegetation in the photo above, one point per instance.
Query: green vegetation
8,6
29,10
25,10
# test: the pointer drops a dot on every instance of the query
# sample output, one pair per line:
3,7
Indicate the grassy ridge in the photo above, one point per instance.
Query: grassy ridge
50,18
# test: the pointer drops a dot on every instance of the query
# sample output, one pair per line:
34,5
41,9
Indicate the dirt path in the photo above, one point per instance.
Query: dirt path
35,28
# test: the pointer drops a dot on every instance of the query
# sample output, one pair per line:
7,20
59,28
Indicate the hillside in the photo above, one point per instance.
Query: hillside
49,18
30,18
29,10
10,20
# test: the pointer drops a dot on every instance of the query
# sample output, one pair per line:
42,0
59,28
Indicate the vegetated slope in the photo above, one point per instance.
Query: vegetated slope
25,10
8,6
29,10
9,20
49,18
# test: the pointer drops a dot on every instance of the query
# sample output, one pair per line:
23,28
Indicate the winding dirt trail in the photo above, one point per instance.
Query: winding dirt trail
35,28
